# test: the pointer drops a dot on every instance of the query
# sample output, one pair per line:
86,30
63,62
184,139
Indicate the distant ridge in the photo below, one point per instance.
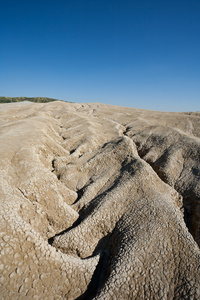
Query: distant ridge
32,99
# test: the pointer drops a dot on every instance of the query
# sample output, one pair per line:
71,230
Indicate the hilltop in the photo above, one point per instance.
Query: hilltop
31,99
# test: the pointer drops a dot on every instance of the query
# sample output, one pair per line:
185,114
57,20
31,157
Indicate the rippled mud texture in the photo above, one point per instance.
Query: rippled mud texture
98,202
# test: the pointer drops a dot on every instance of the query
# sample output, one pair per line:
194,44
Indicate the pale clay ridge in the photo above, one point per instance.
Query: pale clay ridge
99,202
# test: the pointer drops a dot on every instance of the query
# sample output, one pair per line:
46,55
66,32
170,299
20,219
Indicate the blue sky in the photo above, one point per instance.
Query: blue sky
143,54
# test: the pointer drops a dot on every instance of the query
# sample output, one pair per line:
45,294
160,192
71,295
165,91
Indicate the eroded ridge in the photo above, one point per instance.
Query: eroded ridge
96,202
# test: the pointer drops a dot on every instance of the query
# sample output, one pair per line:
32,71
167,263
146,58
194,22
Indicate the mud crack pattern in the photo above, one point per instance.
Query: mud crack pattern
99,202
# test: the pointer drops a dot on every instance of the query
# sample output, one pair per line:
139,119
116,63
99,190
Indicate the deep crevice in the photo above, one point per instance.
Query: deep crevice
128,128
72,151
80,194
53,164
190,213
100,274
76,223
97,278
54,169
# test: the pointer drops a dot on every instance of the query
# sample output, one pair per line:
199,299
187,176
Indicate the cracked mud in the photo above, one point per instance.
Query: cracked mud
99,202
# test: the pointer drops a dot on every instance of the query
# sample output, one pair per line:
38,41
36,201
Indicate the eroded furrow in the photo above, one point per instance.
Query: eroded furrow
93,196
175,159
91,203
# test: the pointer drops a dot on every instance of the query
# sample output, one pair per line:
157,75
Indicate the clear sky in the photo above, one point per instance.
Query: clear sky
135,53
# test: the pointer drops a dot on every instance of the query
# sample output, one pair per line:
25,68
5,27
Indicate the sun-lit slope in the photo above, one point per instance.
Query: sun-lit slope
99,202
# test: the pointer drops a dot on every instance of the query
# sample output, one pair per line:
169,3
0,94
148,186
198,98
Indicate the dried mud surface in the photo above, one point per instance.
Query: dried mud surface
98,202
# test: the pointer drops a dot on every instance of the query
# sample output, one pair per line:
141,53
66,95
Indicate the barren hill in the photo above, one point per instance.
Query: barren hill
20,99
98,202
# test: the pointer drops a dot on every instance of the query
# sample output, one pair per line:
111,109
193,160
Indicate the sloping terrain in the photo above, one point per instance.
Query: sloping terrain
19,99
98,202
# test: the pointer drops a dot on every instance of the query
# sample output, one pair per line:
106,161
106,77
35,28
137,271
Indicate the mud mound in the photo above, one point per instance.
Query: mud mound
99,202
